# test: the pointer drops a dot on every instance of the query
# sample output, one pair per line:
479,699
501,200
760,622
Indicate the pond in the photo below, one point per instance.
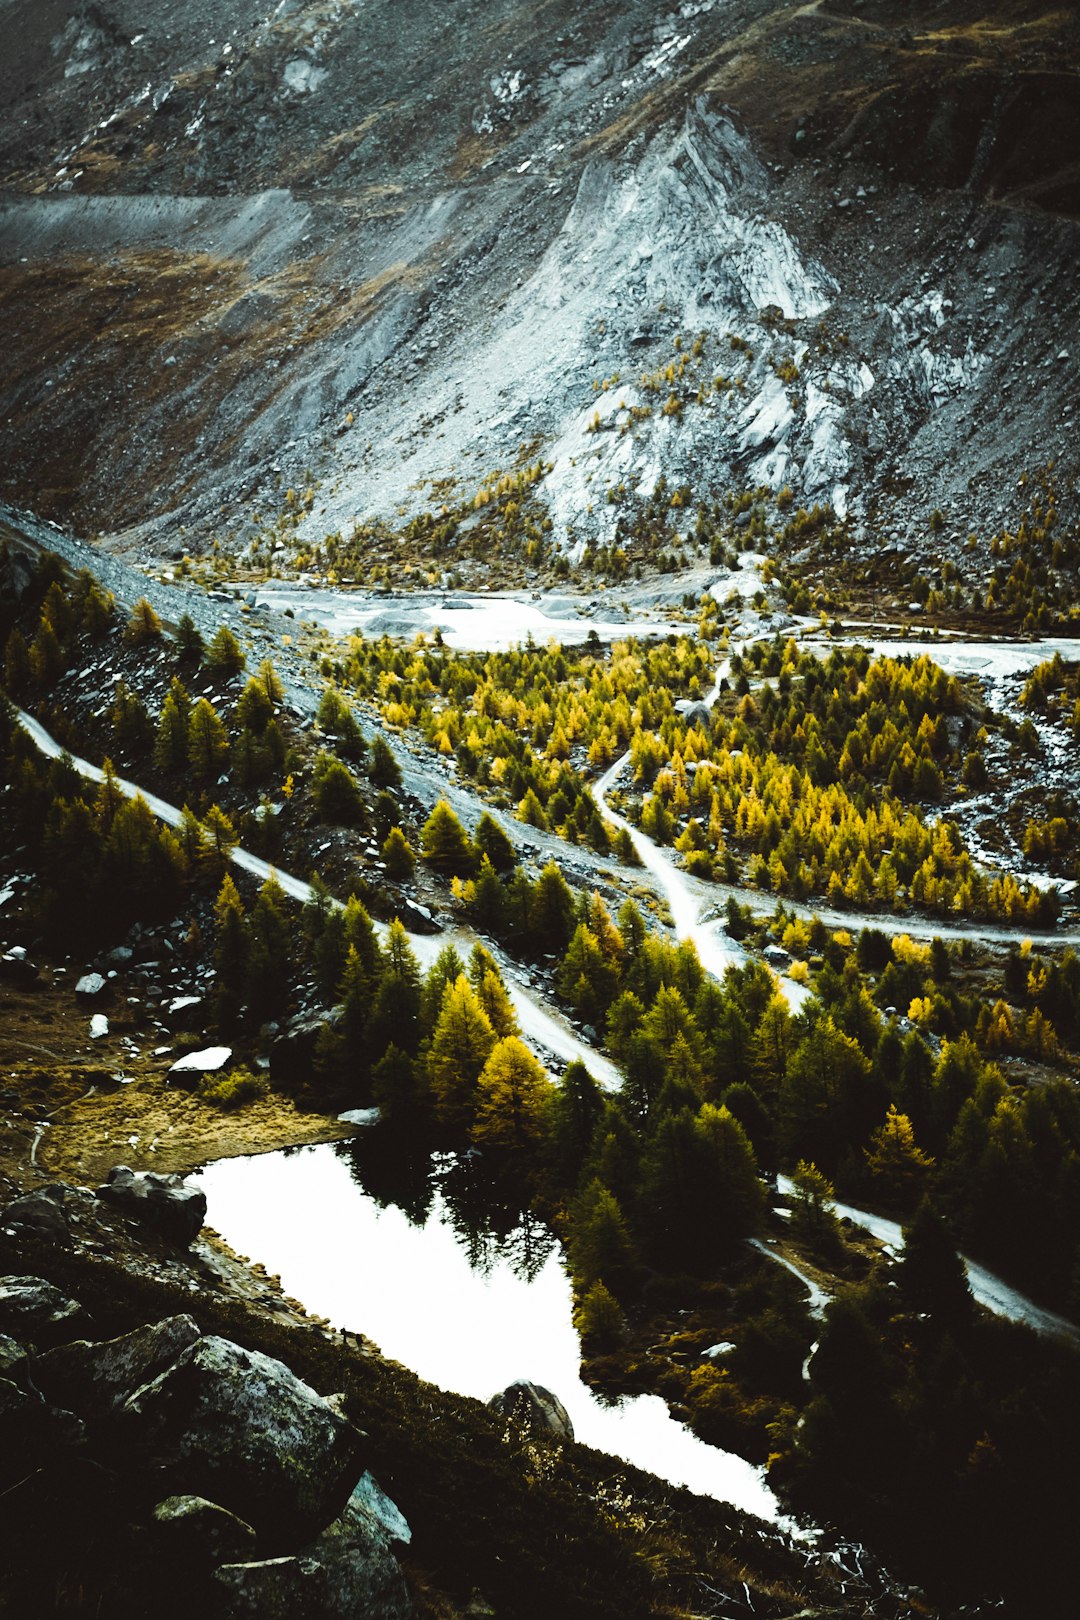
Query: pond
467,1305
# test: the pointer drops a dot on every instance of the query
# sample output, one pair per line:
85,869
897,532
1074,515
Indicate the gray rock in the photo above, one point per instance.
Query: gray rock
31,1430
16,968
187,1013
203,1532
34,1312
39,1214
417,918
347,1573
12,1358
164,1203
369,1498
240,1428
90,986
535,1409
94,1379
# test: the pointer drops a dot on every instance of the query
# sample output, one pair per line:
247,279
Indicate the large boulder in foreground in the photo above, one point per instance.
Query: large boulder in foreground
94,1379
240,1428
165,1203
347,1573
535,1410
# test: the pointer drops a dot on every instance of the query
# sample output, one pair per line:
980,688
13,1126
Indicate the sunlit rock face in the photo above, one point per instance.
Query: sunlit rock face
390,253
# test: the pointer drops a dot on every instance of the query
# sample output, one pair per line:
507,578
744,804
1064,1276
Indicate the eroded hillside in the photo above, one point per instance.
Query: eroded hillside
387,256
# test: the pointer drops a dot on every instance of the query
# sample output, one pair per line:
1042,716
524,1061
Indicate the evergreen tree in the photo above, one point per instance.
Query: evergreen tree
144,624
931,1275
599,1242
383,770
492,842
599,1321
395,1011
446,969
336,718
225,656
208,744
488,905
219,839
512,1093
230,954
551,911
398,856
132,727
444,843
189,643
461,1044
813,1218
254,709
897,1164
336,794
269,966
171,744
16,664
575,1107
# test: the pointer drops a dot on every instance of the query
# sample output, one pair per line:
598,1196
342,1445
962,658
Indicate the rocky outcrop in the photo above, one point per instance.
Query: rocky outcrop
164,1203
240,1428
346,1573
535,1410
270,1513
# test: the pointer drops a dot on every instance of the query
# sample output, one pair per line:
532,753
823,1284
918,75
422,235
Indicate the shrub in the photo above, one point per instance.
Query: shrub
233,1089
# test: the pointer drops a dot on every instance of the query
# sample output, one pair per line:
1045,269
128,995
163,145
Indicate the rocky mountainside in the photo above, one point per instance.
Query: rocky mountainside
388,252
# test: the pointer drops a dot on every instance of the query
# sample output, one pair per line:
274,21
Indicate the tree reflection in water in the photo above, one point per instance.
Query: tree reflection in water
483,1202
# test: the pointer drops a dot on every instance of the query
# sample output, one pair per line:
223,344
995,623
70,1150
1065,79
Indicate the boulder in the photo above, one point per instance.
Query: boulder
94,1379
16,968
535,1410
90,986
202,1532
347,1573
240,1428
34,1312
416,918
292,1052
163,1202
369,1498
189,1069
187,1013
32,1432
13,1359
38,1214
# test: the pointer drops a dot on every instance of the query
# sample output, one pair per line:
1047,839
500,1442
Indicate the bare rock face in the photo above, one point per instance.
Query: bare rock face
535,1409
34,1312
164,1203
94,1379
240,1428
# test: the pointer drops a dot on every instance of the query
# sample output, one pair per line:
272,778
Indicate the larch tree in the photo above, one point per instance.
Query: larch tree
461,1044
512,1093
208,744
